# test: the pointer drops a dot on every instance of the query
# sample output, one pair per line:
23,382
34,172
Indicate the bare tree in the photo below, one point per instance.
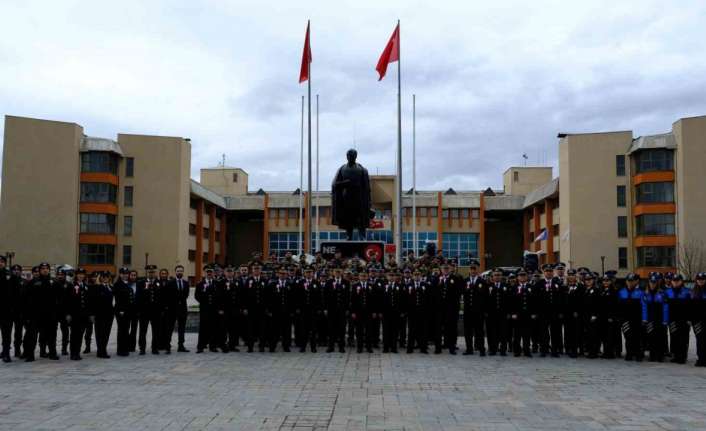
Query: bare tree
691,258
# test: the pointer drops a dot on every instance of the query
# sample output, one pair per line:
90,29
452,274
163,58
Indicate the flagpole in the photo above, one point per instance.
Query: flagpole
318,217
301,181
308,201
398,221
415,247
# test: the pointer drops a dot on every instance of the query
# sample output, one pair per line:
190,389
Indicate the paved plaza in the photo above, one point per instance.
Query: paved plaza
294,391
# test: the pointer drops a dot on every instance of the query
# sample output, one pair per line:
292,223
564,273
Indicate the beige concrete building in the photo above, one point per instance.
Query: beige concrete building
631,204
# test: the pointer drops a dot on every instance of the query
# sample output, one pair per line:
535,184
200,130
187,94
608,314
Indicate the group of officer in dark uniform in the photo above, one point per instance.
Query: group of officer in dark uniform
345,303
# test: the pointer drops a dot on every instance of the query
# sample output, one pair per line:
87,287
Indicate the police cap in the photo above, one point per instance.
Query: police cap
632,277
571,272
547,267
677,277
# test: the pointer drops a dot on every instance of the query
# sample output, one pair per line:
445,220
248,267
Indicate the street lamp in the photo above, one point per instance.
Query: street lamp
9,256
602,265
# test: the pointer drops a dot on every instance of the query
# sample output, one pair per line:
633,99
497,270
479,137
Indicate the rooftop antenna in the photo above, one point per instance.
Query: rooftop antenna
524,156
223,162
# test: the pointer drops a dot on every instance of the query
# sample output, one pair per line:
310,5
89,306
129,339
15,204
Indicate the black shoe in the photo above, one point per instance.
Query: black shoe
182,349
395,351
64,352
87,350
330,350
155,352
386,350
103,356
492,353
42,354
503,353
451,351
76,358
468,352
528,355
286,350
18,353
250,350
313,349
234,349
359,350
437,351
29,359
53,357
262,350
168,352
370,350
197,351
555,355
543,355
482,353
341,350
572,355
6,359
424,351
142,352
123,354
213,349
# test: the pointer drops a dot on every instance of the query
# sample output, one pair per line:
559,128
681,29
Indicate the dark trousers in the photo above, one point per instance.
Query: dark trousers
450,329
103,325
679,340
374,324
77,328
496,325
175,319
403,331
337,329
88,334
6,334
281,330
390,330
230,321
322,329
473,331
64,327
149,319
573,335
593,340
699,327
305,329
632,331
522,327
556,340
47,334
250,326
350,329
537,333
363,337
208,329
124,333
17,336
417,333
656,334
29,342
606,332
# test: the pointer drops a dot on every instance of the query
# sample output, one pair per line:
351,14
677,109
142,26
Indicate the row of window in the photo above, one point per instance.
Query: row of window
206,232
661,192
103,224
105,193
648,224
647,161
192,256
105,162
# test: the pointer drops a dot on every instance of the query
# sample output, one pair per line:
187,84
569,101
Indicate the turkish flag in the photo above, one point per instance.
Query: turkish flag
390,54
306,58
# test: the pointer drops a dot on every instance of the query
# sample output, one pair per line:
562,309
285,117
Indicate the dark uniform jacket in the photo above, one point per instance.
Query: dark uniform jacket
207,295
125,299
308,296
149,299
101,300
337,296
498,299
76,301
228,296
180,295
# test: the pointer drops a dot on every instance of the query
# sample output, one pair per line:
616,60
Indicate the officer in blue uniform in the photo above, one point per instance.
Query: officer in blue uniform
630,312
655,317
678,301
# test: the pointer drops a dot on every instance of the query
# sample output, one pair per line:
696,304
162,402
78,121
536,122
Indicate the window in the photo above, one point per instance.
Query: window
205,233
422,211
127,199
655,192
235,177
622,226
516,177
192,229
127,225
454,213
464,213
656,256
282,242
129,167
96,254
556,257
422,239
407,212
99,161
325,211
192,255
97,223
654,224
460,246
475,214
205,256
433,212
193,203
621,196
218,236
622,257
323,236
444,213
555,231
654,160
127,255
98,192
620,165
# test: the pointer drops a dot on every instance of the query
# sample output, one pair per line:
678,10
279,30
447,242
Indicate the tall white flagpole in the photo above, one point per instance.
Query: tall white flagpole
415,247
318,217
301,183
308,201
398,219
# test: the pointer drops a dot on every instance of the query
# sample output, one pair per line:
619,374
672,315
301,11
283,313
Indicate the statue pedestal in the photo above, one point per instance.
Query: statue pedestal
348,249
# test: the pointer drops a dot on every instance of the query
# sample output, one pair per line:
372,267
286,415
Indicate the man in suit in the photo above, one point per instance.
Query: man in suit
337,309
149,304
229,309
474,293
125,310
206,296
76,312
448,291
179,310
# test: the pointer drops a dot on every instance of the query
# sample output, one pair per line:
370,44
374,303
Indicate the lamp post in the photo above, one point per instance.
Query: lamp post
9,256
602,265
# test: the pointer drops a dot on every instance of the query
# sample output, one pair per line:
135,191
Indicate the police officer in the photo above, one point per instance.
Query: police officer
678,301
125,310
91,280
101,300
497,314
167,303
254,299
418,313
630,312
655,317
552,313
698,318
179,310
574,315
308,307
361,294
608,317
448,292
523,309
16,285
337,303
150,309
474,296
63,285
8,303
229,310
278,311
206,295
40,305
592,314
77,309
391,311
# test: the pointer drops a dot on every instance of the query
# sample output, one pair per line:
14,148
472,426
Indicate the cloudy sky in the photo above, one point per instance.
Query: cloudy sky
493,80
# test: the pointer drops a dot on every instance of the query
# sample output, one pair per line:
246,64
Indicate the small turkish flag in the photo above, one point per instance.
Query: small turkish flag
306,58
390,54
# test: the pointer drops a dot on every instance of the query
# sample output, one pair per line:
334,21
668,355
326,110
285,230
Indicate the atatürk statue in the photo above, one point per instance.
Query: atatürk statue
350,197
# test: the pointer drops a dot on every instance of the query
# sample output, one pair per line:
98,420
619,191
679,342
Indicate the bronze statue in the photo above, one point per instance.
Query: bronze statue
350,197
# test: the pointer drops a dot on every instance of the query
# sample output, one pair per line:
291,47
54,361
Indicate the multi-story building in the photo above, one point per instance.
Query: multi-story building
618,203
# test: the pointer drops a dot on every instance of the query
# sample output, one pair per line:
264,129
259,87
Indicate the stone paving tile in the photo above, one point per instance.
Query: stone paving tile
345,392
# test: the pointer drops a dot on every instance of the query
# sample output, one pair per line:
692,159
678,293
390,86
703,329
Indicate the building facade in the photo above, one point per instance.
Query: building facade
619,202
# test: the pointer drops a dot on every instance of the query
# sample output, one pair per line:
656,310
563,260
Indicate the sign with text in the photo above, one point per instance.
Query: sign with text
361,249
